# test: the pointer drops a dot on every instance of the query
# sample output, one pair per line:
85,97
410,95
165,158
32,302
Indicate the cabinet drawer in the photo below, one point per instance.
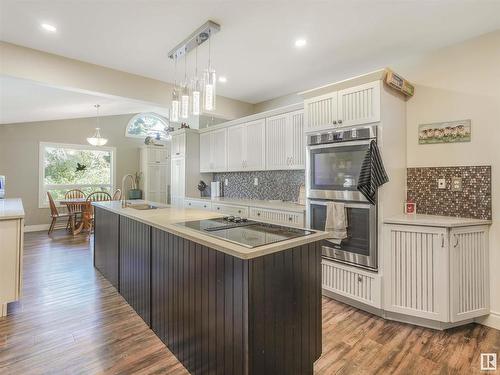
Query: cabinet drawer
201,205
351,282
230,209
293,219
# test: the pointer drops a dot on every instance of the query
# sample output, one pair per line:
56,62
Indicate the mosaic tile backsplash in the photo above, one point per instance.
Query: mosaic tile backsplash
474,201
283,185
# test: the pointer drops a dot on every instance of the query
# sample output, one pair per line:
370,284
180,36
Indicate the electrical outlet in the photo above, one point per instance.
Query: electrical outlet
441,183
255,181
226,182
456,184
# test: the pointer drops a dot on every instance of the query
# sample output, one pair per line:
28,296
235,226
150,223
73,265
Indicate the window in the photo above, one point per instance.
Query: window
140,125
64,167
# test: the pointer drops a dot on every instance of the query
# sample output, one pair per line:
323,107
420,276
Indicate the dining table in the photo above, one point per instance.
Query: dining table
78,205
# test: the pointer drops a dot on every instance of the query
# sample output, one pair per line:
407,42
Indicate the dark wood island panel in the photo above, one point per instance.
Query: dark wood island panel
106,245
220,314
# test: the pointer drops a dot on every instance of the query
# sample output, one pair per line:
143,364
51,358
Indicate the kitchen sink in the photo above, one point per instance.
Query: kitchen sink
142,206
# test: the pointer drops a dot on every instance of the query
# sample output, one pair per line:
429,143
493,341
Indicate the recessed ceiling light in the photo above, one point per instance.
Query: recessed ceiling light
300,43
49,27
222,79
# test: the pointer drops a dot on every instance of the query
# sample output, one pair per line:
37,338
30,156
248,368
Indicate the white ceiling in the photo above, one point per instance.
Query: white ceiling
26,101
255,46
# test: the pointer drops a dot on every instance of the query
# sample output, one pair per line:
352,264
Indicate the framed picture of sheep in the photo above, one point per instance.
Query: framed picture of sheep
444,132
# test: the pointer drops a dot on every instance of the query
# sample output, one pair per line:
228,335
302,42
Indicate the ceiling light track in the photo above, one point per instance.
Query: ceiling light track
197,37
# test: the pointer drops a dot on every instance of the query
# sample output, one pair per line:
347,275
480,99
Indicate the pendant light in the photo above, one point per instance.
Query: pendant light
209,82
185,93
96,139
174,112
196,91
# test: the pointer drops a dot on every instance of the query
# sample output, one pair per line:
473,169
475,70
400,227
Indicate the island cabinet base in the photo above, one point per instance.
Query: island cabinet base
106,244
219,314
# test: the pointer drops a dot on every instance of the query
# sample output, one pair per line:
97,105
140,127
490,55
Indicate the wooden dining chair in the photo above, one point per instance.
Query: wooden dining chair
74,193
96,196
75,209
55,214
117,195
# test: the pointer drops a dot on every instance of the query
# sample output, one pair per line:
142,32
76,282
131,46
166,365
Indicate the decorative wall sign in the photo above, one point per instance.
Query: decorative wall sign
444,132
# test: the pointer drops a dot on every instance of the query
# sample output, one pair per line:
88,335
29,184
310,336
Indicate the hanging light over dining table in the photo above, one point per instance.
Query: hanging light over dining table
97,139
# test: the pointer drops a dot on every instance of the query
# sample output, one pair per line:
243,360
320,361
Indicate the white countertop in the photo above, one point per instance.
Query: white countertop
11,208
271,204
435,221
165,219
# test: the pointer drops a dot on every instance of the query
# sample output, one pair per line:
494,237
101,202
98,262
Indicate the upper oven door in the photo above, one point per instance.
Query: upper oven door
333,170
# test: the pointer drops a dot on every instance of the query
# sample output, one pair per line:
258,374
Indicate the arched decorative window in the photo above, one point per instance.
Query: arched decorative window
143,124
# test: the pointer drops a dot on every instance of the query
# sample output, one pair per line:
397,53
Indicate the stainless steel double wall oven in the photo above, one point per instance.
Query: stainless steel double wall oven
334,160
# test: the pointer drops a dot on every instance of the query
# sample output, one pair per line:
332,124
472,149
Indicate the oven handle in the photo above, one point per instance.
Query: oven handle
348,205
340,144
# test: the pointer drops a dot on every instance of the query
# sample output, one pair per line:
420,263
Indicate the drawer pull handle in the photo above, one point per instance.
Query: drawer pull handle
360,279
456,240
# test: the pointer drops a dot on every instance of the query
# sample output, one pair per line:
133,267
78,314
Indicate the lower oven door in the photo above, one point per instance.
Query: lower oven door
360,246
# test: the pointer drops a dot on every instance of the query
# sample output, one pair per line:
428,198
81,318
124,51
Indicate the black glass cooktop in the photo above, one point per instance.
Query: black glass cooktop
245,232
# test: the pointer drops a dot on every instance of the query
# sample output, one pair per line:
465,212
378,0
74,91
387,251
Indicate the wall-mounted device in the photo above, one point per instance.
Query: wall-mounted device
2,187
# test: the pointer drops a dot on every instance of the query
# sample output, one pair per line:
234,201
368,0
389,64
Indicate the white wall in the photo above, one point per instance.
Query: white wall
461,82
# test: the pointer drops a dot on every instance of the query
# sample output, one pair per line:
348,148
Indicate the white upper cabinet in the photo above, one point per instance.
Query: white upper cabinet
178,145
285,141
213,151
359,105
321,111
246,146
157,155
352,106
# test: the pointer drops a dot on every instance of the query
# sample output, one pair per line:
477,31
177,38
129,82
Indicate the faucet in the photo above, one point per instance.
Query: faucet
124,195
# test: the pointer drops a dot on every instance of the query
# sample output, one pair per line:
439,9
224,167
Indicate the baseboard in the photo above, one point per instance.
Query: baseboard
36,228
492,320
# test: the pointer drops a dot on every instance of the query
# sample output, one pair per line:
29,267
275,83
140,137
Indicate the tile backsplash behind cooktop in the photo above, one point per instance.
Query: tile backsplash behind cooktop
474,201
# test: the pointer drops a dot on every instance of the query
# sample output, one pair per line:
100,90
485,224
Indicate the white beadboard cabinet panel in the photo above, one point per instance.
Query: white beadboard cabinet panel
351,282
293,219
359,105
235,147
470,295
199,204
321,111
296,140
178,145
228,209
416,272
218,151
255,146
206,152
277,156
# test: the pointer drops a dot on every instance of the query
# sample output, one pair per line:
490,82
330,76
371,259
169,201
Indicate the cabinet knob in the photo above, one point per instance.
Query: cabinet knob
239,211
258,213
189,203
334,122
290,218
340,121
360,279
204,206
218,208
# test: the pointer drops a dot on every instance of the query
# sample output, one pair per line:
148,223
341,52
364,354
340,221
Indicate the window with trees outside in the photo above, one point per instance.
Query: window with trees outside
141,124
64,167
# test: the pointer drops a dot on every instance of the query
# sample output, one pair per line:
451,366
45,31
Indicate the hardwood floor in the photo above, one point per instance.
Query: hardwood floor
72,321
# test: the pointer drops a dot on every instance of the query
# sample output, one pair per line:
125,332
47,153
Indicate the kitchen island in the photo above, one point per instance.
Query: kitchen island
218,306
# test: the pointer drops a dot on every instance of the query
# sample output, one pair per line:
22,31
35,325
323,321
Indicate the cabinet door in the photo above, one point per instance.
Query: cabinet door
254,146
219,155
296,140
178,145
206,152
470,296
162,188
177,178
10,260
235,144
321,111
416,271
106,244
277,139
153,177
359,105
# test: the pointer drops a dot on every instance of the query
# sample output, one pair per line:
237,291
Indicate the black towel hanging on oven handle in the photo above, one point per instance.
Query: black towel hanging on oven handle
372,174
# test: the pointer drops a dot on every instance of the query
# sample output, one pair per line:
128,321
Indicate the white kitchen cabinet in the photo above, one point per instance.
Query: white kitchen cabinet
321,111
155,168
178,180
285,141
246,146
199,204
178,144
213,157
436,273
230,209
352,106
359,105
293,219
351,282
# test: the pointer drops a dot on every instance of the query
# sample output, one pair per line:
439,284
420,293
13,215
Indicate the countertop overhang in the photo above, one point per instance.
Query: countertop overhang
165,218
434,221
11,208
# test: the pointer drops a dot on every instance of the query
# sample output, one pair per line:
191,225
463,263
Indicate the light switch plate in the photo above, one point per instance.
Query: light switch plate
441,183
226,182
255,181
456,184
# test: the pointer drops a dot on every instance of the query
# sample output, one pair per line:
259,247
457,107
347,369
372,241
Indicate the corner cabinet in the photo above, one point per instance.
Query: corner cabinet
435,273
285,147
356,105
246,146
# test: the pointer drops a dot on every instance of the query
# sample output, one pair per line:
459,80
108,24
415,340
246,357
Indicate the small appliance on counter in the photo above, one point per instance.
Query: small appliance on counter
215,190
2,187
